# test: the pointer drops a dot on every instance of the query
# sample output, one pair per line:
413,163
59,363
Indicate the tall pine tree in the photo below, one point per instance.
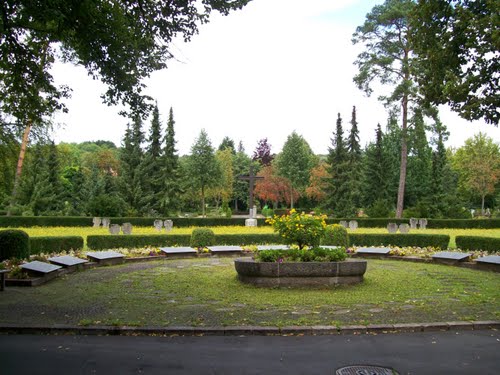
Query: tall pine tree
170,199
354,166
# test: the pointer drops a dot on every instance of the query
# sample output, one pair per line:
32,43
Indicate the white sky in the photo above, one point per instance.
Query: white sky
274,67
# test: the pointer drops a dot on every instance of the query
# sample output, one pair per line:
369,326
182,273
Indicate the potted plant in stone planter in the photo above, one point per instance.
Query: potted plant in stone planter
306,263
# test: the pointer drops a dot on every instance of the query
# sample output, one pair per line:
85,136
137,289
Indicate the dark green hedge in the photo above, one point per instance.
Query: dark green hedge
100,242
490,244
420,240
14,244
55,244
67,221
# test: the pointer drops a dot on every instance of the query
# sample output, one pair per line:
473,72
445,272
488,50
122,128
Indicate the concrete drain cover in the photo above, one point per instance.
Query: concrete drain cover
365,370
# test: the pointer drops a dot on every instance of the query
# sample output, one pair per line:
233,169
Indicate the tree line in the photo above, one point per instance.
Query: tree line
146,176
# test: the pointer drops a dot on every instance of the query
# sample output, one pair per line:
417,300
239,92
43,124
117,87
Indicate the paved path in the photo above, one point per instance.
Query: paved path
465,352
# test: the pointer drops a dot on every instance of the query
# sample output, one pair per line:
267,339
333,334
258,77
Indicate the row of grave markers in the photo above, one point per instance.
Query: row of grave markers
126,228
391,227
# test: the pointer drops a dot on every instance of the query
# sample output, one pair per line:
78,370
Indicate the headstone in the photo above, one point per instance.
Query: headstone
344,224
67,261
106,257
353,225
373,250
114,229
272,247
250,222
404,228
127,228
453,256
178,250
392,227
158,224
422,223
169,224
254,212
413,223
225,249
105,222
39,268
250,214
489,259
97,222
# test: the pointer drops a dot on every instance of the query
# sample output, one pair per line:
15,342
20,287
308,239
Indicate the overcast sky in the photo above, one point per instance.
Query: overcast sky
274,67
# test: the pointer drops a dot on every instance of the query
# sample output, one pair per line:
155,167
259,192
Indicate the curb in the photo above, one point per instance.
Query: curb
61,329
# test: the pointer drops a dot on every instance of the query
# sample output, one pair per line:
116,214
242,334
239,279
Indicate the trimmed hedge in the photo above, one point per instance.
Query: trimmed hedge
490,244
55,244
68,221
14,244
100,242
420,240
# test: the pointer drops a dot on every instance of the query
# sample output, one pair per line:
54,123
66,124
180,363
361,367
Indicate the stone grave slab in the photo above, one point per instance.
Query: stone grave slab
178,251
329,247
489,259
272,247
67,261
451,256
373,251
225,249
106,257
38,268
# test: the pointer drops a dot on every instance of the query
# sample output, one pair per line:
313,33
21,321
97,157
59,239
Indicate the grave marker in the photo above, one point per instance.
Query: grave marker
105,222
373,251
272,247
413,223
67,261
404,228
344,224
353,225
392,227
451,256
225,249
114,229
127,228
158,224
178,251
97,222
39,268
489,259
106,257
422,223
169,224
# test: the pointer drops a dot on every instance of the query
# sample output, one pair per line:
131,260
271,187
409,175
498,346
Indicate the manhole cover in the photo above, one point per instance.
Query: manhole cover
365,370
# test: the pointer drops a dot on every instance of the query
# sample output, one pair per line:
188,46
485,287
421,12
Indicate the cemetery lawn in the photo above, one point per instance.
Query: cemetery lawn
206,292
86,231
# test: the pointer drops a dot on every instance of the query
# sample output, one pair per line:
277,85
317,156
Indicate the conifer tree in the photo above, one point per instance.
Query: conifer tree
131,180
170,199
241,165
375,173
152,168
354,166
227,143
337,192
202,167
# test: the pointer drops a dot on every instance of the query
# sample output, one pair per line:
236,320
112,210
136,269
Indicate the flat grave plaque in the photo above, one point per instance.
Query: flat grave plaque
222,249
365,370
104,255
451,255
178,250
39,267
67,261
374,250
329,247
489,259
272,247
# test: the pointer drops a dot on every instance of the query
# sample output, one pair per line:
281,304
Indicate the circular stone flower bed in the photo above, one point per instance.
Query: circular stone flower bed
350,271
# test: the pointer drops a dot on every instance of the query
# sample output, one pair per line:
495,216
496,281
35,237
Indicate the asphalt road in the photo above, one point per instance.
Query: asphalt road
465,352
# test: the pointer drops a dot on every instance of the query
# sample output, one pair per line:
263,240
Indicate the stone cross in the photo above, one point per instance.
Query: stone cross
251,178
97,222
413,223
392,227
105,222
353,225
422,223
404,228
168,225
158,224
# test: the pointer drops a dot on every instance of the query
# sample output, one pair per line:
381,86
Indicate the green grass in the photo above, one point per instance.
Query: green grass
84,232
198,292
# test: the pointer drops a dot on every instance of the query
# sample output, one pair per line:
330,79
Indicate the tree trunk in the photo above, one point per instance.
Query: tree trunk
19,168
404,159
482,204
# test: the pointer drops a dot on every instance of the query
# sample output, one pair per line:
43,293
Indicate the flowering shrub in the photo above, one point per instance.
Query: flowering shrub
300,229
